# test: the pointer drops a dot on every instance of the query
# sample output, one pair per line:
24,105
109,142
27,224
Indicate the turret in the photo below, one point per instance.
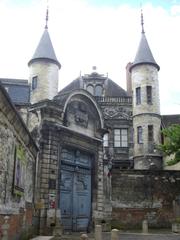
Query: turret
44,69
146,107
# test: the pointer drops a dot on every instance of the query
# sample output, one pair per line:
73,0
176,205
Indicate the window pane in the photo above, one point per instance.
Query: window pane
121,137
124,144
90,89
124,132
139,135
149,94
105,140
117,131
138,95
124,138
34,82
98,90
150,133
117,144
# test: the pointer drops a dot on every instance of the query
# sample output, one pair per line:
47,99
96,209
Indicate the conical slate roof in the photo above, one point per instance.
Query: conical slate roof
45,50
144,54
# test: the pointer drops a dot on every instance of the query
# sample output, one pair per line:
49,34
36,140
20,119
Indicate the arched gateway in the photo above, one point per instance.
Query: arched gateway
70,162
80,159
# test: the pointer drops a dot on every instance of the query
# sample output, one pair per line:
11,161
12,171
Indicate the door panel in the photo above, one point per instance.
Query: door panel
82,199
66,198
75,190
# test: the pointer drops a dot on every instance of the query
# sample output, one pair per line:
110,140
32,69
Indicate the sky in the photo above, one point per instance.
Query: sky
86,33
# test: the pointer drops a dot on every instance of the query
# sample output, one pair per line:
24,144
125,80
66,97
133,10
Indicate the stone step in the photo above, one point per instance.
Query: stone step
42,238
76,237
64,237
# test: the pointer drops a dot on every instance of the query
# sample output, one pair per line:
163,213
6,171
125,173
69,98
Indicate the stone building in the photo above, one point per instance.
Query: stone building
97,160
18,153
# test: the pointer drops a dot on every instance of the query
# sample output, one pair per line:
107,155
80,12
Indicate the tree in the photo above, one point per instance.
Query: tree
171,146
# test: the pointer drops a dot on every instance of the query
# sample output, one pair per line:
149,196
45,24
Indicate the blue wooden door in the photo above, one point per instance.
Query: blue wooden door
75,190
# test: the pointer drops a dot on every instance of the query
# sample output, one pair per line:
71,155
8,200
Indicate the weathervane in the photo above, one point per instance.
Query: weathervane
142,20
47,16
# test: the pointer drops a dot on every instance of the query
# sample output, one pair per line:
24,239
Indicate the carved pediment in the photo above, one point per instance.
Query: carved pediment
116,113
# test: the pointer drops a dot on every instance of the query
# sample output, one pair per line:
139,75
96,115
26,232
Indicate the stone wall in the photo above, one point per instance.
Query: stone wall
17,169
141,194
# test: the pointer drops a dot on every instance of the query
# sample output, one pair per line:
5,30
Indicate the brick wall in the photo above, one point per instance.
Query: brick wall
139,195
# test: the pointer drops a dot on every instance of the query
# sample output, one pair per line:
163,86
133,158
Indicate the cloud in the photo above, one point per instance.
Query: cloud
84,35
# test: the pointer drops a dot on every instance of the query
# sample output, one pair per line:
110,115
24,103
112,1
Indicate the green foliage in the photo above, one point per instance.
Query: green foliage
177,220
21,154
171,146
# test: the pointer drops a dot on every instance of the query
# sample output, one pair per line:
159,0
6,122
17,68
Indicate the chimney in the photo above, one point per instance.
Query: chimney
128,79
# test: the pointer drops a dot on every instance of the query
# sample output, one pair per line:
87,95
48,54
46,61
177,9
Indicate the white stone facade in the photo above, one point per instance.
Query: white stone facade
146,114
142,76
47,80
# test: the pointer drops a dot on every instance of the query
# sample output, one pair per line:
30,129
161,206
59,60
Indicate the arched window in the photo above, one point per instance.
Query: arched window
106,140
98,90
90,89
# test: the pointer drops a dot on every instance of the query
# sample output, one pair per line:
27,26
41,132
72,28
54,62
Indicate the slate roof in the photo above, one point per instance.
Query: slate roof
18,90
168,120
111,88
45,50
114,90
144,54
74,85
15,117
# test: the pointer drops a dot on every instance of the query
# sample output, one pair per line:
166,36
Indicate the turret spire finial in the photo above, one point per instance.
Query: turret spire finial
142,21
47,16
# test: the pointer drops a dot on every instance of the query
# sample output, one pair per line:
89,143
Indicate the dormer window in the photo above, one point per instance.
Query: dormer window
34,82
106,140
98,90
90,89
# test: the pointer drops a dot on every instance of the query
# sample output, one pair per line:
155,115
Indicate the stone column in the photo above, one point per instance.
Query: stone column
5,228
145,226
98,232
115,234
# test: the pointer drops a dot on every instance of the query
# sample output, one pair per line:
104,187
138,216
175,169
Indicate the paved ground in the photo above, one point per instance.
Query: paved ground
131,236
122,236
42,238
